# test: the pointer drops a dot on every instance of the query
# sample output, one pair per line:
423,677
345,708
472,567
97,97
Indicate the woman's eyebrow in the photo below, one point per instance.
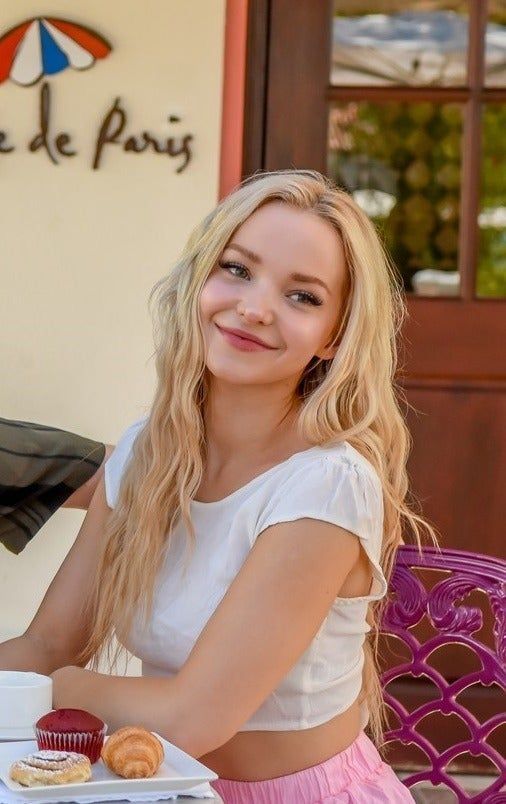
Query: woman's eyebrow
247,253
296,276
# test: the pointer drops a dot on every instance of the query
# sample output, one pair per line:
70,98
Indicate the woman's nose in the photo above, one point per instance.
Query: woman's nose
255,313
256,305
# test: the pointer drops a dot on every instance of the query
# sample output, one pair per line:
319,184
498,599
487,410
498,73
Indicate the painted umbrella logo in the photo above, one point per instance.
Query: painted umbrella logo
45,46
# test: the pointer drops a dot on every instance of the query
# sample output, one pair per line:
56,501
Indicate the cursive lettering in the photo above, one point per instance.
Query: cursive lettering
113,126
184,148
112,131
5,148
43,139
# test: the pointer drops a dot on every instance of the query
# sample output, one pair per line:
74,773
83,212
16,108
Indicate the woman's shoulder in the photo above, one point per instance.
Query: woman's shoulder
125,443
333,483
117,462
130,434
335,459
330,478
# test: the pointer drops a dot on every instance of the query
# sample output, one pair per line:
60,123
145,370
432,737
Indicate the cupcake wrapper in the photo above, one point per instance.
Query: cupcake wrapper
87,743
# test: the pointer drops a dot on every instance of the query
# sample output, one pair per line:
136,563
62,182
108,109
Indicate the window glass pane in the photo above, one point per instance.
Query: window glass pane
495,44
402,42
491,273
401,162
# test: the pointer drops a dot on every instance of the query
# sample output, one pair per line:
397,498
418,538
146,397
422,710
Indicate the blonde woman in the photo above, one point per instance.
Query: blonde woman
246,528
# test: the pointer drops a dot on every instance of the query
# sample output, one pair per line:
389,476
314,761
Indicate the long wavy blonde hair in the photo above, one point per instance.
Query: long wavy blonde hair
351,397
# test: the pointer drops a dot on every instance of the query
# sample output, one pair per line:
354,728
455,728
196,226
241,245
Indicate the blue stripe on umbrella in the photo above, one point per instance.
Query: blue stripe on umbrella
53,59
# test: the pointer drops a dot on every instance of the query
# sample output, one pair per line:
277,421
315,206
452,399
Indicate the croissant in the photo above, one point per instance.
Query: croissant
133,752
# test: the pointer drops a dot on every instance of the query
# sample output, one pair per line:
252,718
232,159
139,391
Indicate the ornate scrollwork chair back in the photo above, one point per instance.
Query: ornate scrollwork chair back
435,608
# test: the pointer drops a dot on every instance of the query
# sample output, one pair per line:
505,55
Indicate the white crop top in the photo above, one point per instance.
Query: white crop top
334,484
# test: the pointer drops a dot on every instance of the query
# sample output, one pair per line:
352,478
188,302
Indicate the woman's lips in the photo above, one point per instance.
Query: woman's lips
243,344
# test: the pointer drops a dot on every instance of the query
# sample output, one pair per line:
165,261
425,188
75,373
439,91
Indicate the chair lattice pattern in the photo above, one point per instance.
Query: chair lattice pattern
454,623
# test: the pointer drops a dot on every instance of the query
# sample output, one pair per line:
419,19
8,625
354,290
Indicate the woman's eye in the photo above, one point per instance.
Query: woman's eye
240,271
308,298
230,266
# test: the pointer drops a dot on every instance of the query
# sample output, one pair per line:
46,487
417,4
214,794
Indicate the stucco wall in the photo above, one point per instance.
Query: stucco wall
81,248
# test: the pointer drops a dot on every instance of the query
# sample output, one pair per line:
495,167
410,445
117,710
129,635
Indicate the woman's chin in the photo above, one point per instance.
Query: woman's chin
236,374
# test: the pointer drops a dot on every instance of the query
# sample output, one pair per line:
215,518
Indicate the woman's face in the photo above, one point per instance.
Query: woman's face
280,279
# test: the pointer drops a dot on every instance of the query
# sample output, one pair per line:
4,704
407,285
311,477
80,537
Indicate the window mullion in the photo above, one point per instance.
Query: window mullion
471,151
401,94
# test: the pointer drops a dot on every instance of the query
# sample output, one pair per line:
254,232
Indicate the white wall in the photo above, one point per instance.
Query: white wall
80,249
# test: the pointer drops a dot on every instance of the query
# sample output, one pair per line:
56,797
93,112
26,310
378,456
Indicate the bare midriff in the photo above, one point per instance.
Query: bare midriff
252,756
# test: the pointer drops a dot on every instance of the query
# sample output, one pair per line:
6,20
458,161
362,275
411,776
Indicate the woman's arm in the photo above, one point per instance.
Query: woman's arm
267,619
58,630
82,497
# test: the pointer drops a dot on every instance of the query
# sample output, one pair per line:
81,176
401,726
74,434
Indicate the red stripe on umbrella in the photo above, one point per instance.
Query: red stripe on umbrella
88,39
8,46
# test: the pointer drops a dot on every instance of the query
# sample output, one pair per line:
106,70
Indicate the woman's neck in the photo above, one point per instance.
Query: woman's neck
249,421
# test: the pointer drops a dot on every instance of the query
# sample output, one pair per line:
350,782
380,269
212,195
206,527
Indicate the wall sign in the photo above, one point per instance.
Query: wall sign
45,46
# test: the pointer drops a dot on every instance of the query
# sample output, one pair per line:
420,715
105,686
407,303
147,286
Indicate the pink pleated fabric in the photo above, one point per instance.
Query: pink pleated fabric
357,775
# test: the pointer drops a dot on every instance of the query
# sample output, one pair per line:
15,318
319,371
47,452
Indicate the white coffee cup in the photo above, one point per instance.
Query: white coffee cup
24,698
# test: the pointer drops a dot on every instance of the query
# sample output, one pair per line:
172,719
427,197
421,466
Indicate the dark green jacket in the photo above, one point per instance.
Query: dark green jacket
40,467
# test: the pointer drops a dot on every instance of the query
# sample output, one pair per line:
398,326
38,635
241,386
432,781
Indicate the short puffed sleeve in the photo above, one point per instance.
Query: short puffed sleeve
118,461
339,490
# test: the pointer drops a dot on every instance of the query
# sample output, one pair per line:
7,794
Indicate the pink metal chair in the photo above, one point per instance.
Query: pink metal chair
413,597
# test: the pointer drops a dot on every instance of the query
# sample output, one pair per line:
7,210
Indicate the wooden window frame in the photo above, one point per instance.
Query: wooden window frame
473,95
312,91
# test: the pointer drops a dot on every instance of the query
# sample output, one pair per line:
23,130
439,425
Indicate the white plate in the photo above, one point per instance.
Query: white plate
178,772
25,733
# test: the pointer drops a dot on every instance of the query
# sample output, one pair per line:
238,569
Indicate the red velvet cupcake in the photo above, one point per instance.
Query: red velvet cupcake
71,730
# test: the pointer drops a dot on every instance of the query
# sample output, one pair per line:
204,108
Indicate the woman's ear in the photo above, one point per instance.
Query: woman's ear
328,353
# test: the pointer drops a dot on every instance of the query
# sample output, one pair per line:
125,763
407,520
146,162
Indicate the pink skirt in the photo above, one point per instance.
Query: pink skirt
356,775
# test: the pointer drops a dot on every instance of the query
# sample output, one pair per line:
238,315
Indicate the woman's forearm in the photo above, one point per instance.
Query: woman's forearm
28,653
155,703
